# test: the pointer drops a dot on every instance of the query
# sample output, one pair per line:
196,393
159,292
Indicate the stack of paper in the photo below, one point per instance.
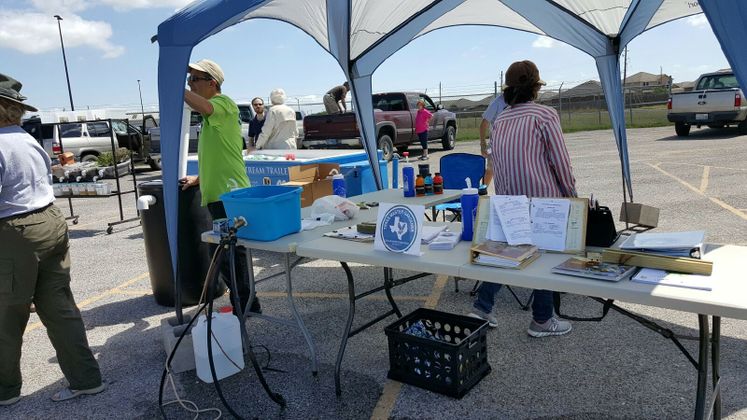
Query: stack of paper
661,277
445,241
673,244
429,233
501,254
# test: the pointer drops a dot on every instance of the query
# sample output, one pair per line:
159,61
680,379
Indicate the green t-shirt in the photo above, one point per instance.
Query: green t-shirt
220,160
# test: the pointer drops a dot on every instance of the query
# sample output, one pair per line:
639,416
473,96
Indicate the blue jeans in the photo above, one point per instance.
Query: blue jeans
541,304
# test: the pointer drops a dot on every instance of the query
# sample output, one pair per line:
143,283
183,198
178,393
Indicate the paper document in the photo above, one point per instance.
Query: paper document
549,222
350,233
445,240
664,240
431,232
496,261
513,214
665,278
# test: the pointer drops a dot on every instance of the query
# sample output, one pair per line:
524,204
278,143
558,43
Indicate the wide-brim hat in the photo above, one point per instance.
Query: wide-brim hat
10,89
523,73
210,67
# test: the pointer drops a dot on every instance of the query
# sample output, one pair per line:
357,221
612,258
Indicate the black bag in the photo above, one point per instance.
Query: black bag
600,227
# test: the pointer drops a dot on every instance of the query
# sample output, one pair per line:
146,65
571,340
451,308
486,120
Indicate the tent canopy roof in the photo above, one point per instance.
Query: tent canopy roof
373,20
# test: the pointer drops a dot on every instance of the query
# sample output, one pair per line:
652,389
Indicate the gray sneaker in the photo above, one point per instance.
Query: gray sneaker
492,320
552,326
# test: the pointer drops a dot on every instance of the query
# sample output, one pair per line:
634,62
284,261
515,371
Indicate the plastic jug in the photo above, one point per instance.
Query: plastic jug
469,208
228,356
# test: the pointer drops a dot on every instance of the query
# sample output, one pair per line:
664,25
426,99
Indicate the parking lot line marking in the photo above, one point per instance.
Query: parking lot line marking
334,296
725,206
83,304
391,390
704,178
135,292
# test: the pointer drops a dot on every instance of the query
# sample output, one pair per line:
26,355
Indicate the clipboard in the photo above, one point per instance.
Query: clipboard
575,242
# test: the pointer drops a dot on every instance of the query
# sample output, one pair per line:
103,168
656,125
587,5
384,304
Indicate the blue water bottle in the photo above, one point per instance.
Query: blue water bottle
338,185
395,171
408,177
469,209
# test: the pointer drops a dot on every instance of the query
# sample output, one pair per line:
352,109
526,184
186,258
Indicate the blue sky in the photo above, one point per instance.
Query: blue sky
108,49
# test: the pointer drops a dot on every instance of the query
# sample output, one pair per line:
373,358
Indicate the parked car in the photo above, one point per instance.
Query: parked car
394,113
86,140
716,101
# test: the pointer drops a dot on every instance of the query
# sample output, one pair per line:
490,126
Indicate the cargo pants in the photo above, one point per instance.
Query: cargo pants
35,265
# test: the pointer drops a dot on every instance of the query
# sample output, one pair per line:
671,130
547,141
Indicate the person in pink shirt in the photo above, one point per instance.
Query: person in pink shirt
422,118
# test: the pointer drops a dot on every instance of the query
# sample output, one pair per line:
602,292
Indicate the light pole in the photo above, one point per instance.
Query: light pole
142,109
64,60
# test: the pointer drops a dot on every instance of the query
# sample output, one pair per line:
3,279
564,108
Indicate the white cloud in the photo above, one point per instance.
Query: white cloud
543,42
61,6
698,21
37,33
141,4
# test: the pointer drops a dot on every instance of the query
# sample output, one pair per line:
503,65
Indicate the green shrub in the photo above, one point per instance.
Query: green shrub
106,159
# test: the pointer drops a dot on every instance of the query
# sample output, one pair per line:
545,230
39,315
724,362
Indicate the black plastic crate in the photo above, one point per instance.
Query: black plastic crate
451,367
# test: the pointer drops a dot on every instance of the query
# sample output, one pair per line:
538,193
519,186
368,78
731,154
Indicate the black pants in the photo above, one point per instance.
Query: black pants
217,211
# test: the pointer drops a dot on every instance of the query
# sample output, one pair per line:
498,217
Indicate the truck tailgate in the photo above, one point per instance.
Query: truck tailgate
704,101
338,126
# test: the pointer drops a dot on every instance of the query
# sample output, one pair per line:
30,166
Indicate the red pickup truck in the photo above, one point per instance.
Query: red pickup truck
394,113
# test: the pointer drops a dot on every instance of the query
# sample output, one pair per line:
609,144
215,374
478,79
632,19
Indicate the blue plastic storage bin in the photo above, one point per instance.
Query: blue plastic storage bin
271,211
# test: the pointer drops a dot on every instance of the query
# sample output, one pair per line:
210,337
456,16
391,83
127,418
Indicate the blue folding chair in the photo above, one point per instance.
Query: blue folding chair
455,168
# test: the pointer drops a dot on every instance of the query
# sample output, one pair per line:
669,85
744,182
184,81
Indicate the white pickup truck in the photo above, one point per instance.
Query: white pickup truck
716,101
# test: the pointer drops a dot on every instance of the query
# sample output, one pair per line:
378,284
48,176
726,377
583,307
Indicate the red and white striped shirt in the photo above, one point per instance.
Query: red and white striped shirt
529,154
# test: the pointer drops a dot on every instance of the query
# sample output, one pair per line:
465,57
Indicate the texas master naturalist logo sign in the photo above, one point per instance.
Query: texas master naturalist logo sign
399,228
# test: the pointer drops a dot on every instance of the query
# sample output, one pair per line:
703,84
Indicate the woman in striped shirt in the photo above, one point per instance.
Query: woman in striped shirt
529,158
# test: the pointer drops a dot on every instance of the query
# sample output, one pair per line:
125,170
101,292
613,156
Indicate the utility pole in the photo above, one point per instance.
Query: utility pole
64,60
625,91
439,93
142,108
560,102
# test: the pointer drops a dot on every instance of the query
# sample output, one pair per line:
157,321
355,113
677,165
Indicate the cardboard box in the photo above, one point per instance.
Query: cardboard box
639,214
66,158
313,179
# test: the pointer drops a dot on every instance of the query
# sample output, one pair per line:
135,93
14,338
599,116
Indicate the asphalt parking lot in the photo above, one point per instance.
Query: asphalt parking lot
610,369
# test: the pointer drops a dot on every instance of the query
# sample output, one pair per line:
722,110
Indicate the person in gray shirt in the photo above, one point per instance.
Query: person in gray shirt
35,260
334,99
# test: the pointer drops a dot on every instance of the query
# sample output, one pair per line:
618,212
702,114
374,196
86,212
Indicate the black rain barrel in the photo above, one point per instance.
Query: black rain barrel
193,259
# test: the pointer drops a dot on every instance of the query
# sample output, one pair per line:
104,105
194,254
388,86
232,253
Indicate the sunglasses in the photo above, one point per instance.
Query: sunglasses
193,78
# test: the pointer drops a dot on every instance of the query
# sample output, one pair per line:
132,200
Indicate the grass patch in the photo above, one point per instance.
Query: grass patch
585,120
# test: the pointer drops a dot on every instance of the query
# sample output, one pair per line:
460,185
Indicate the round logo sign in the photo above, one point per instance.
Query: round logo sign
399,229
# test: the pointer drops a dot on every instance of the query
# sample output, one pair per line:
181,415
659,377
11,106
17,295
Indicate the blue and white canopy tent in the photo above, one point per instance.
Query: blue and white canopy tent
362,34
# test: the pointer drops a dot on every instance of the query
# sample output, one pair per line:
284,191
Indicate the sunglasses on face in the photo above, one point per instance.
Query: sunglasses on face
194,78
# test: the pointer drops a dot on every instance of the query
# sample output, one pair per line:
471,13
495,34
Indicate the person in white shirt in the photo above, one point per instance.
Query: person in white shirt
279,130
35,260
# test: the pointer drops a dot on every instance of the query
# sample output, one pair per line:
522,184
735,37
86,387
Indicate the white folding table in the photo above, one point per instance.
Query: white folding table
727,299
287,245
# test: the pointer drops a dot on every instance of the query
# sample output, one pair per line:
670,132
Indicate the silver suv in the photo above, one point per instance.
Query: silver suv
86,140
